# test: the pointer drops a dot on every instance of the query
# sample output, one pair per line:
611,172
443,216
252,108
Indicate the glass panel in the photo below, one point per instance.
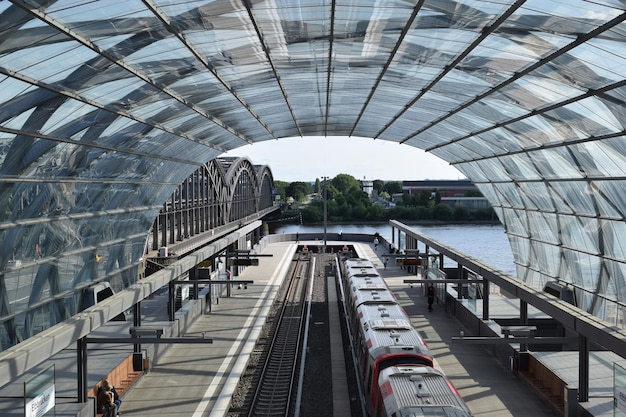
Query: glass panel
544,259
520,167
611,197
580,233
509,195
543,226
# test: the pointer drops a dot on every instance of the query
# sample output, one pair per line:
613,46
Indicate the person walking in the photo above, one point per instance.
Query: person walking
430,295
376,243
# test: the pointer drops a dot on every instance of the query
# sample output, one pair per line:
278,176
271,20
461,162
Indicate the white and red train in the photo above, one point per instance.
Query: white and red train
394,363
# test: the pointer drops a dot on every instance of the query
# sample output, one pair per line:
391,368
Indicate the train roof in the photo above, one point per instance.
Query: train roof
356,260
361,272
358,263
369,279
371,294
385,328
371,282
371,313
411,391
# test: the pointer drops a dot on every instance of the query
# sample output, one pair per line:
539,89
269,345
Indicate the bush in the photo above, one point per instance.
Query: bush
461,213
442,212
312,214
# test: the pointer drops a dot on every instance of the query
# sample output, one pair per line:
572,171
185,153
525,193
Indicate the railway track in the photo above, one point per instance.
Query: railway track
279,376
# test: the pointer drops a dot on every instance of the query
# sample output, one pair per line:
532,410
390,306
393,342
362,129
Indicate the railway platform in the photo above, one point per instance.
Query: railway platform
195,382
201,383
198,380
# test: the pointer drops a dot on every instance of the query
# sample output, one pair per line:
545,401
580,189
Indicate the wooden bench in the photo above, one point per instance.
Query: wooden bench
546,382
122,377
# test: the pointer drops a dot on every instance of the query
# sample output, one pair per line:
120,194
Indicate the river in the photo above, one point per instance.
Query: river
487,243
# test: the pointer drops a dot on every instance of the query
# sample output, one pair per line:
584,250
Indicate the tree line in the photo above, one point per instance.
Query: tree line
347,202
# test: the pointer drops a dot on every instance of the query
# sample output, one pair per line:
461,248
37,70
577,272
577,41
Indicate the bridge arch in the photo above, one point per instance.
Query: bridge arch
222,191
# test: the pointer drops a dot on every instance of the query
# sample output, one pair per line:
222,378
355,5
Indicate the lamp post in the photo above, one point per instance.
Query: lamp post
325,210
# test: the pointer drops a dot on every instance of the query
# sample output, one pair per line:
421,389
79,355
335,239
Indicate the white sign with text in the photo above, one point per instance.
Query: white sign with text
41,404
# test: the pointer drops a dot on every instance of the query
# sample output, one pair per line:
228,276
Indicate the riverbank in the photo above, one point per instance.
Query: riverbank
425,222
484,241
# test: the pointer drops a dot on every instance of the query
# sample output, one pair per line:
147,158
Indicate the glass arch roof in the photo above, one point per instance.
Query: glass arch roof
106,106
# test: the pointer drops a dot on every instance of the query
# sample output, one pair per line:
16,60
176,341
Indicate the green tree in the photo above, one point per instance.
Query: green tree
356,195
486,214
379,186
393,187
346,183
400,212
359,211
299,190
473,193
442,212
461,213
375,213
425,198
281,187
424,213
346,201
314,212
411,200
332,193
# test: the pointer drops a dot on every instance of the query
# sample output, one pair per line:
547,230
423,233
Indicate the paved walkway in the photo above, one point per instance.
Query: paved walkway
192,381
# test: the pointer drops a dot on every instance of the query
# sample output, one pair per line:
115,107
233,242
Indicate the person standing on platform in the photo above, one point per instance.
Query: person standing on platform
376,243
297,237
430,294
385,260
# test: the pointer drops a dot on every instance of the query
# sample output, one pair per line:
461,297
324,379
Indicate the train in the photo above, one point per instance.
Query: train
408,391
396,367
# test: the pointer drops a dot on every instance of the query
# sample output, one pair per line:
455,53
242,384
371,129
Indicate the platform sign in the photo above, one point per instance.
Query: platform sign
619,391
39,394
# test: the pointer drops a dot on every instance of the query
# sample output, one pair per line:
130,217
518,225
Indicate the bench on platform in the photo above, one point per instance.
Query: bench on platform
122,377
551,386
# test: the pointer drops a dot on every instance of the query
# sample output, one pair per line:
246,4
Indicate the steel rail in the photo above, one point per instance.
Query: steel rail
272,397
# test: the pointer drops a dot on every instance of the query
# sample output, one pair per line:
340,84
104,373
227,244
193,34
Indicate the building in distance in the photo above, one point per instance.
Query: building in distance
455,193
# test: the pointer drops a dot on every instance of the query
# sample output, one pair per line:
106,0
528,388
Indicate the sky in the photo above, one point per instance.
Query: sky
305,159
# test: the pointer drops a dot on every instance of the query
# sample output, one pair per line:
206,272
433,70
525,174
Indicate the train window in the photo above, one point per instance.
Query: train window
362,357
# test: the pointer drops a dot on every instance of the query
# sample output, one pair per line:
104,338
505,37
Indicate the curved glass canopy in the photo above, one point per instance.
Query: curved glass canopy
106,106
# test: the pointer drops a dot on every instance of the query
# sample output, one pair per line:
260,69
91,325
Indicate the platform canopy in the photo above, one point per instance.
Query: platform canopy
106,106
